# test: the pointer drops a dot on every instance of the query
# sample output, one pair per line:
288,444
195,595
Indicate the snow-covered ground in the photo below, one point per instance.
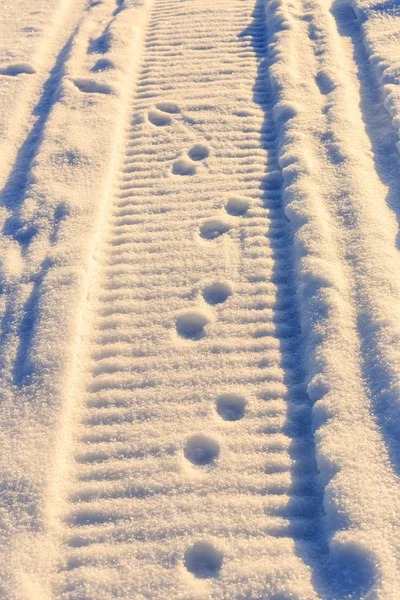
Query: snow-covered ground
200,299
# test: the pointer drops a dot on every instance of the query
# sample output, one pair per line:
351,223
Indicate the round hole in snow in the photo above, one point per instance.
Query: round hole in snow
183,166
190,324
213,228
201,450
237,206
231,407
203,560
217,292
352,570
159,118
168,107
199,152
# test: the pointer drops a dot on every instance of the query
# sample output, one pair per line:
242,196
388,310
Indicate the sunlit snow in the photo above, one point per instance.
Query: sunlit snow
200,299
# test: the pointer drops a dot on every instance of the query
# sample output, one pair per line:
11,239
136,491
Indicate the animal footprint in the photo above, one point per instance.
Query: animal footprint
187,165
100,45
217,292
237,206
190,324
213,228
159,118
201,450
183,166
88,86
17,69
203,560
198,152
168,107
231,407
103,64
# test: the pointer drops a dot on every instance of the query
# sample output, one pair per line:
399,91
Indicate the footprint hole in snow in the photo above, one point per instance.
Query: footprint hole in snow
183,166
168,107
21,232
17,69
159,118
198,152
325,83
61,212
100,45
104,64
204,560
213,228
217,292
70,158
88,86
201,450
190,324
237,206
352,570
231,407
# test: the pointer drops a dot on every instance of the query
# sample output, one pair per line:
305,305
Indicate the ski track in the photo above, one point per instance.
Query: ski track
201,446
195,390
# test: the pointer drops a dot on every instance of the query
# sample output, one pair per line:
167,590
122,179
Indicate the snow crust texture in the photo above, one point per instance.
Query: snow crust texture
200,292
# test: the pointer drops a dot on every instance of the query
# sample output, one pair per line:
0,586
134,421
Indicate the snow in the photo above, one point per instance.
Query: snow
199,299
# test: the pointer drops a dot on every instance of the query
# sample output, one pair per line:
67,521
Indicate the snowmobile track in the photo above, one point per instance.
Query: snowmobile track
194,449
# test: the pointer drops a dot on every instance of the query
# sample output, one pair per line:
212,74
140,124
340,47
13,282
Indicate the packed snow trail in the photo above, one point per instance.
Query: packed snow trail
193,462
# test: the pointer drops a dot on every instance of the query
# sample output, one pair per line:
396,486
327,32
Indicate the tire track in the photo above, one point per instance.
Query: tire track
194,462
380,368
349,288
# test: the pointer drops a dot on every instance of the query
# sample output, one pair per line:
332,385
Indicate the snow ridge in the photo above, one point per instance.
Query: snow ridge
335,231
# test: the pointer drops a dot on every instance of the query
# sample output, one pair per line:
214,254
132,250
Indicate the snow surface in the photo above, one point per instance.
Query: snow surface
200,287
